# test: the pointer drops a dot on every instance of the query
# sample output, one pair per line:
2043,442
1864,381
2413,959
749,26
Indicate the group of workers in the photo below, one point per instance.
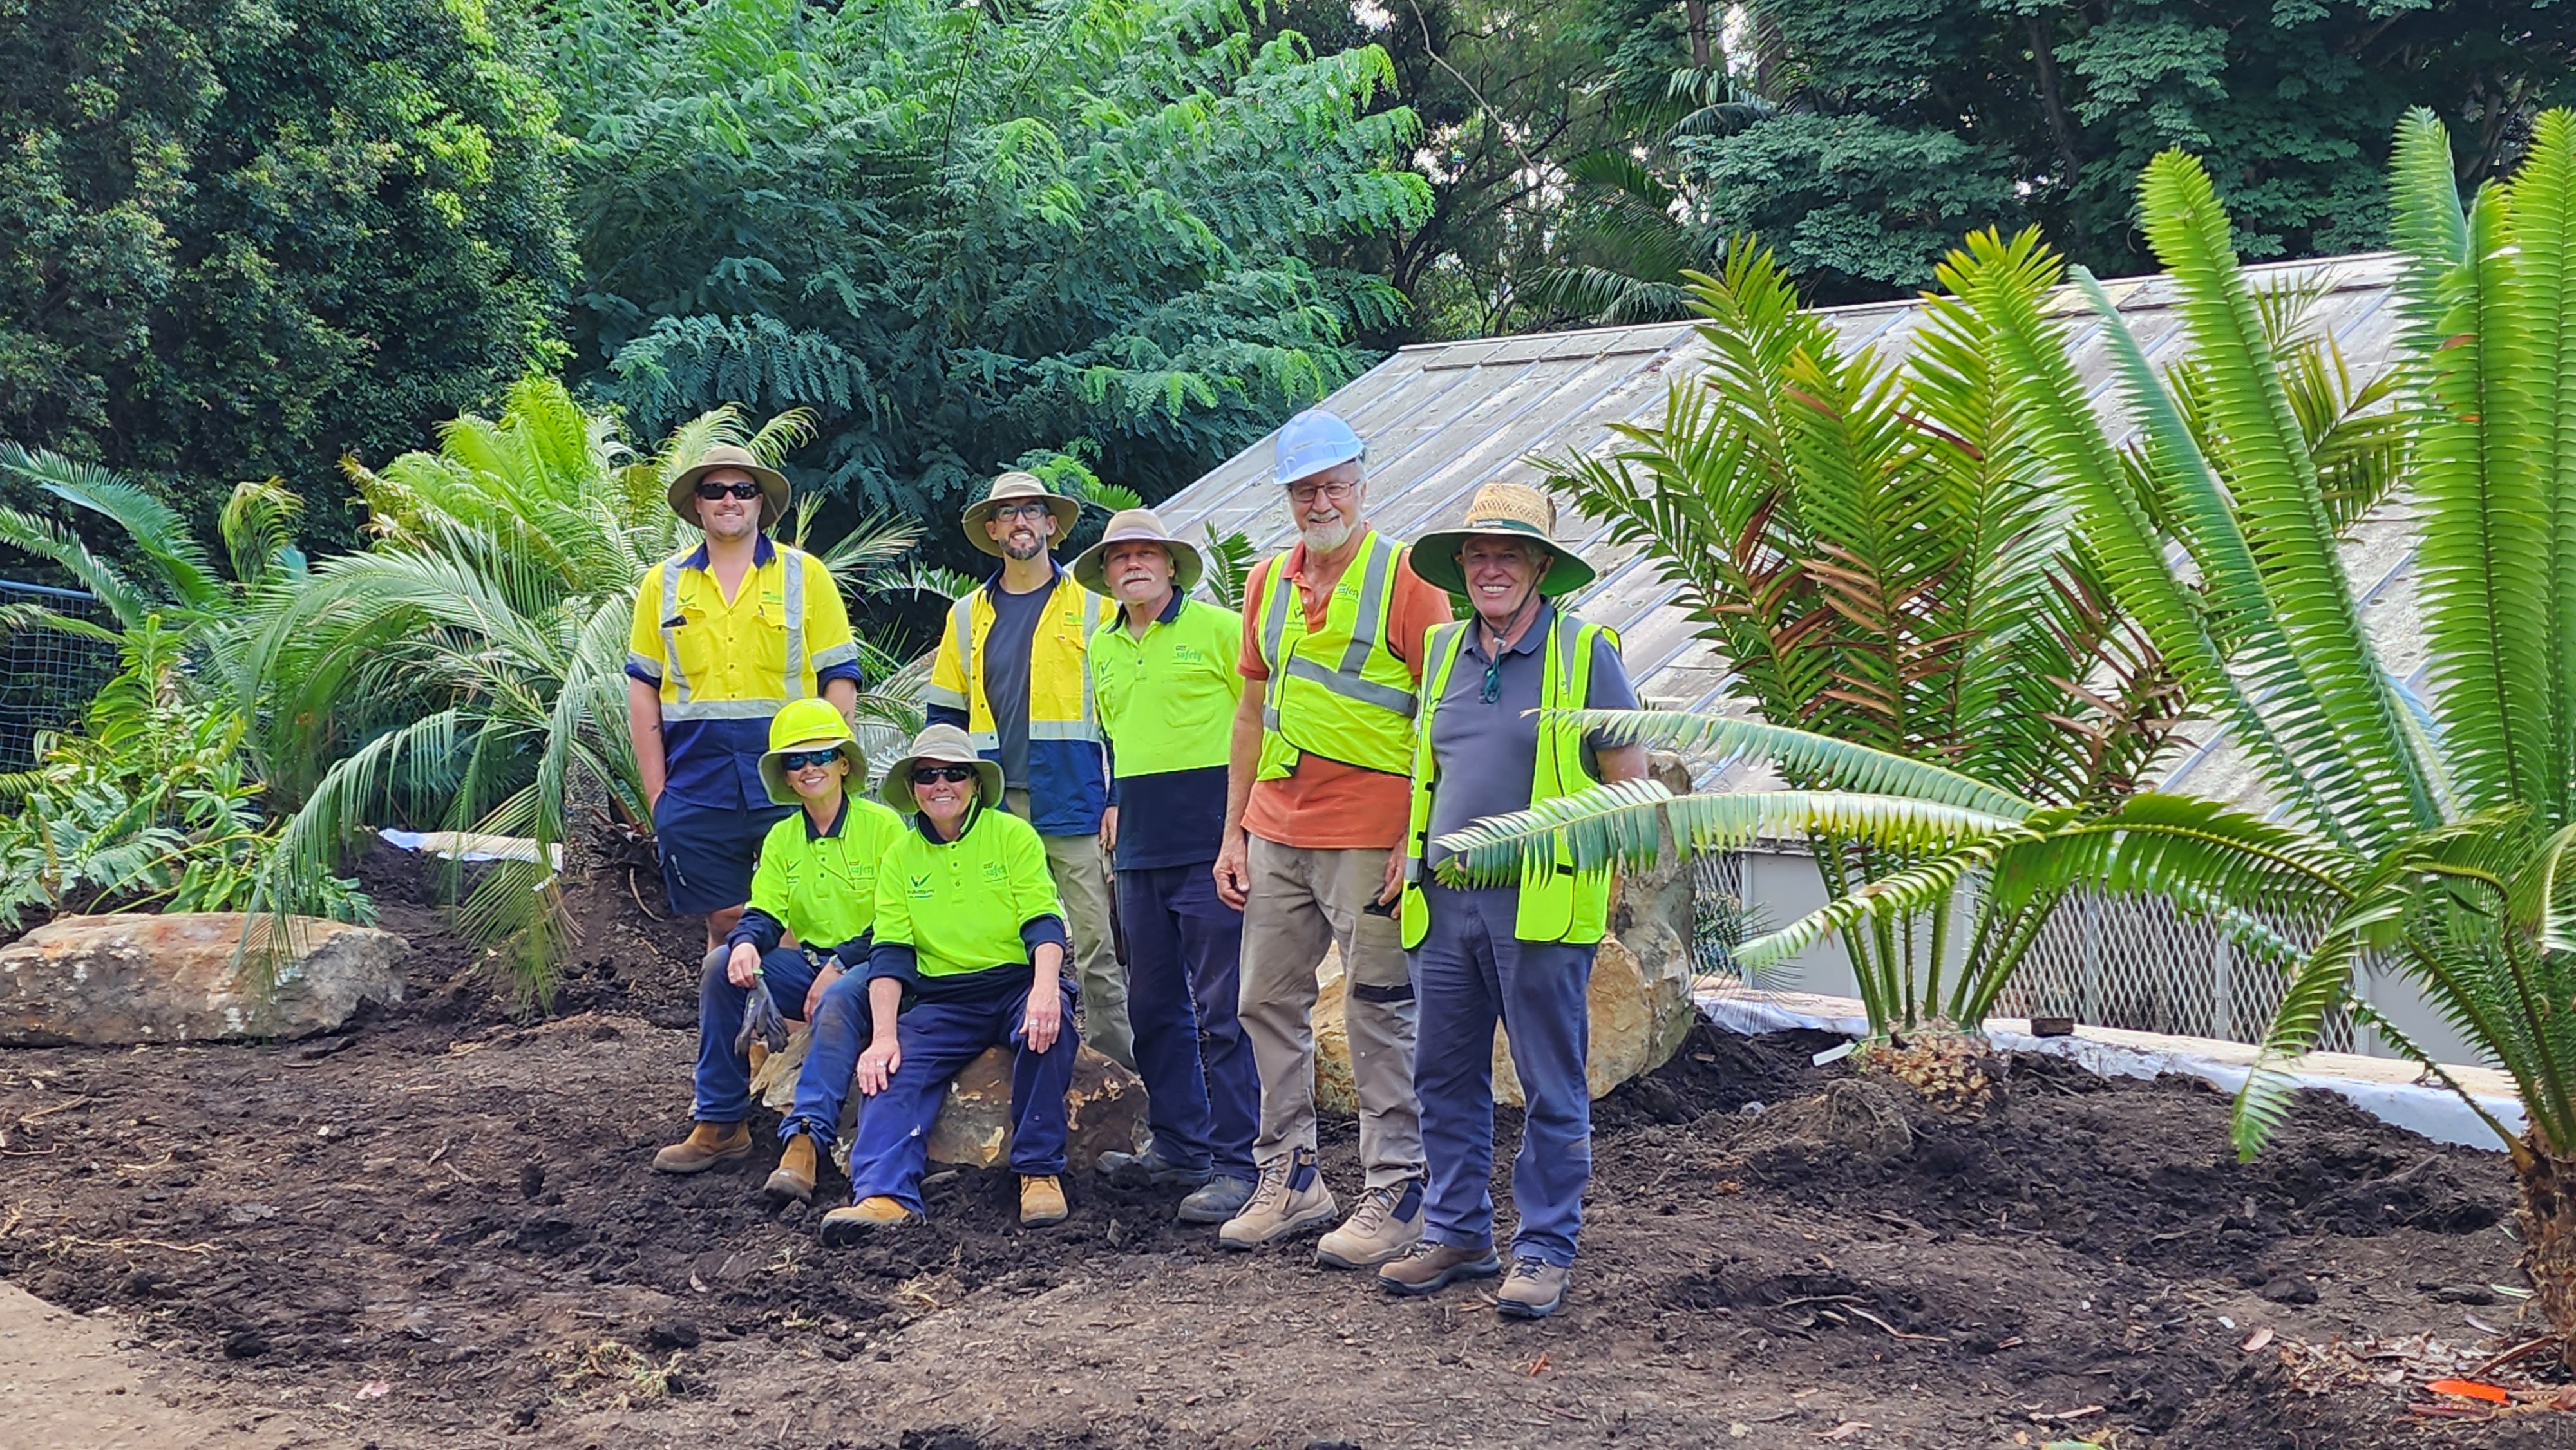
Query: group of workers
1264,787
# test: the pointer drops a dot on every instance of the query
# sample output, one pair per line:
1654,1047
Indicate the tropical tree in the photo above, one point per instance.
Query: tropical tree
2433,841
965,238
468,666
243,238
1877,549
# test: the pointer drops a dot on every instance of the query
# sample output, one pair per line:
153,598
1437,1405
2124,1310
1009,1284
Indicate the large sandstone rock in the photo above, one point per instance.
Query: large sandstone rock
1105,1109
109,980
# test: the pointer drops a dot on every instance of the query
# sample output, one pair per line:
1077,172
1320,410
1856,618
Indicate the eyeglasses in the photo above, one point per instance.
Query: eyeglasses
711,490
1302,494
1010,511
800,759
933,774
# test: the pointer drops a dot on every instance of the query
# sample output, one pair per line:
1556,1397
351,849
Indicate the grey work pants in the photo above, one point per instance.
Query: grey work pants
1082,879
1301,902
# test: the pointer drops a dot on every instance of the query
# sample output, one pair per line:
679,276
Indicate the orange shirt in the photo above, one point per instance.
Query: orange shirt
1327,805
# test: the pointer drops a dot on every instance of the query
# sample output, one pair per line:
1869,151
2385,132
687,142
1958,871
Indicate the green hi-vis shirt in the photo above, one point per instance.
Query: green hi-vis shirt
824,887
1167,700
964,906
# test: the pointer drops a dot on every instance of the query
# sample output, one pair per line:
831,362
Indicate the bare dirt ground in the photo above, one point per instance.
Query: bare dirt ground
437,1230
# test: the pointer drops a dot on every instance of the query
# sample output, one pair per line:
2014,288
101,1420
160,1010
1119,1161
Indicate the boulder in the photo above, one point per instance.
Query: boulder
111,980
1105,1109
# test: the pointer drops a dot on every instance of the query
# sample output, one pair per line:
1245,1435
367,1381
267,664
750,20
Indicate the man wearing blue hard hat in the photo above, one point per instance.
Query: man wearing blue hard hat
1318,792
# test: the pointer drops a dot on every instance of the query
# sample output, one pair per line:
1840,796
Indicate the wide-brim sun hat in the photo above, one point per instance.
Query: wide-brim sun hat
941,745
1138,526
1500,511
773,484
803,725
1016,487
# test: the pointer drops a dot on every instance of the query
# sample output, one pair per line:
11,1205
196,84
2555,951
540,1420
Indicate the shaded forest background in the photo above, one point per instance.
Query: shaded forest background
1115,240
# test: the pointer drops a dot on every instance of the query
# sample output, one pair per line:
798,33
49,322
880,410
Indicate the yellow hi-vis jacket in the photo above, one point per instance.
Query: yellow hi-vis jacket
1557,903
1339,692
1068,765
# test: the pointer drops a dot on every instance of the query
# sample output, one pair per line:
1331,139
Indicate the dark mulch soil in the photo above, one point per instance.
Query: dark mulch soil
439,1228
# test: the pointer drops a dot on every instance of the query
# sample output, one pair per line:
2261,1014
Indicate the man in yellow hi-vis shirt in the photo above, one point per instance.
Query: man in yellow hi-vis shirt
725,635
1014,672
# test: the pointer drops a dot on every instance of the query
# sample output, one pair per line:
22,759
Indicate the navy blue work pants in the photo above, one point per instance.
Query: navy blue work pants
938,1038
1184,983
724,1075
840,1029
1470,973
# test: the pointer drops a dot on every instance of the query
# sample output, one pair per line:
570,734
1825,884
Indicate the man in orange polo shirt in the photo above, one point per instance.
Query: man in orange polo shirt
1318,793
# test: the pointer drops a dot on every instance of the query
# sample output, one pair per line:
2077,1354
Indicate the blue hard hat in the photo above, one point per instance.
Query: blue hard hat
1311,442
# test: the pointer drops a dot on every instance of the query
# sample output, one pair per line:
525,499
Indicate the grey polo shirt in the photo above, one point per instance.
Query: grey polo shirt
1485,754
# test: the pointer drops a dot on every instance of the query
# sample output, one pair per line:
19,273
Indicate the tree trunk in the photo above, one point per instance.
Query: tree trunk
2546,1220
1703,48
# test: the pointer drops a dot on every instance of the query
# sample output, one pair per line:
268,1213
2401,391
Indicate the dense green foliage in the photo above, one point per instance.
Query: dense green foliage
238,239
965,238
1858,139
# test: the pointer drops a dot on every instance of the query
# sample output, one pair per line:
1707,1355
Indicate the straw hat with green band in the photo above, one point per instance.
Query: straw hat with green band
1500,511
773,484
800,726
1016,487
1138,526
941,745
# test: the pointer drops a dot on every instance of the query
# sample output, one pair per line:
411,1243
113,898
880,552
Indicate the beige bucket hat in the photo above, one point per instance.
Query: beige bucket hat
773,484
1500,511
941,745
1139,526
1017,487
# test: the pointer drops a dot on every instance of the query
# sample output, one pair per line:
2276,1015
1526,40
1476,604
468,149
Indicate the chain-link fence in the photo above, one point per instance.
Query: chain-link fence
46,676
2107,961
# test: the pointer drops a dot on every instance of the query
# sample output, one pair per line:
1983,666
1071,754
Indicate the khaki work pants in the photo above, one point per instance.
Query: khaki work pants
1082,880
1300,902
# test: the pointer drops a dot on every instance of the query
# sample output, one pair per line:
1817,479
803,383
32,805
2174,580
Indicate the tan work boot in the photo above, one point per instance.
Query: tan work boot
852,1222
1386,1225
1534,1290
794,1180
707,1145
1431,1267
1290,1197
1042,1201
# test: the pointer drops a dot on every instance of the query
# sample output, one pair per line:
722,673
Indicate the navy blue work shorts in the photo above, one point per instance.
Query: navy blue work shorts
708,851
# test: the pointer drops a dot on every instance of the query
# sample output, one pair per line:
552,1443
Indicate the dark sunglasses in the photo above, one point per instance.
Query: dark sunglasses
799,759
928,774
713,491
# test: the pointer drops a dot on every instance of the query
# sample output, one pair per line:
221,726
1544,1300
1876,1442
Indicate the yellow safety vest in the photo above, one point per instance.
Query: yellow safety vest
1558,903
1339,692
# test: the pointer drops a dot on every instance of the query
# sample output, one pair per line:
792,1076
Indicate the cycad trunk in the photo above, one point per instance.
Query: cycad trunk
2547,1222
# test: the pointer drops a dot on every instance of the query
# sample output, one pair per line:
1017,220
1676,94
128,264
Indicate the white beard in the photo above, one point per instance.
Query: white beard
1325,538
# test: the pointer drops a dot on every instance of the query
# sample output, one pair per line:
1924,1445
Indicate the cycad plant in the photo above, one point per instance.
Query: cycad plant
468,666
1876,549
2437,842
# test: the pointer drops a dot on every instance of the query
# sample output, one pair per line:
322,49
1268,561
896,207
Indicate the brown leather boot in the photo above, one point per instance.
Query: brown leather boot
1042,1202
707,1145
853,1222
1429,1268
794,1180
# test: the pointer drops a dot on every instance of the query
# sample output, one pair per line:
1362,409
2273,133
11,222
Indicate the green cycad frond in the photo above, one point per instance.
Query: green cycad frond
1623,824
1808,758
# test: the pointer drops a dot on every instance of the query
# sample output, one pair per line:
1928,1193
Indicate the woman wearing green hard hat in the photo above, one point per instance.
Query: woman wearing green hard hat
817,878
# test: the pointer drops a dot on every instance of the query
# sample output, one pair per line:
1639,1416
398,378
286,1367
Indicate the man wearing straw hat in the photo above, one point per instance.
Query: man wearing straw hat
969,955
1316,789
1164,674
1013,671
1520,955
725,635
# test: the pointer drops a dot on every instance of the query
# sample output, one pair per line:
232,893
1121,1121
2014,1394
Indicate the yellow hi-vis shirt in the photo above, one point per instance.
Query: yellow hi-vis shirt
724,666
